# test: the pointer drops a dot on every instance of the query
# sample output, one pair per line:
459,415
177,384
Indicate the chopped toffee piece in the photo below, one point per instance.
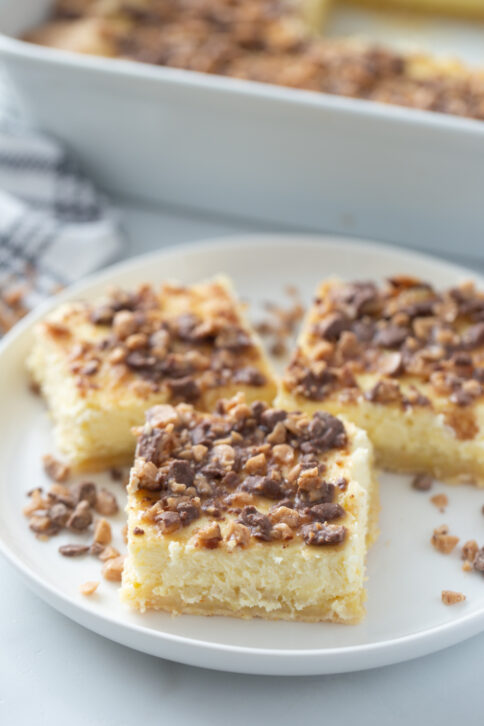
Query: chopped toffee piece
106,503
469,550
108,553
422,482
320,533
73,550
55,470
13,304
113,569
85,491
102,532
449,597
443,541
80,518
440,501
89,588
478,561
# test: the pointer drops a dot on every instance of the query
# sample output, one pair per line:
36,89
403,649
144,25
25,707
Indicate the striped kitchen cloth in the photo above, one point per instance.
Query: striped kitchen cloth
54,225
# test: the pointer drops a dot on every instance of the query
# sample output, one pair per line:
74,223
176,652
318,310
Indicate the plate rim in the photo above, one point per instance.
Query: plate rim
294,661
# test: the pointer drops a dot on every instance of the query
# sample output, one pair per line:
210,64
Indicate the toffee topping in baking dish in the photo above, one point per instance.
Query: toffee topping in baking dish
261,40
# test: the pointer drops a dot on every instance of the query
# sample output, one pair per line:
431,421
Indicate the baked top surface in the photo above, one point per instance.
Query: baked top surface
244,475
183,341
400,343
263,40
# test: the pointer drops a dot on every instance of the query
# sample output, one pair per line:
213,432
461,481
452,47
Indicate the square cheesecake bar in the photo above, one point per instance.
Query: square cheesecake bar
101,365
403,361
249,511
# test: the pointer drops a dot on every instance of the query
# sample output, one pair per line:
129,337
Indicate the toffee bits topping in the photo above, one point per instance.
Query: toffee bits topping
259,464
401,330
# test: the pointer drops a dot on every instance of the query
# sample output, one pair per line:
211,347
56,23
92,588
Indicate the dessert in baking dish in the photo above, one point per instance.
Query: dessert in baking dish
270,41
404,362
249,511
201,35
101,366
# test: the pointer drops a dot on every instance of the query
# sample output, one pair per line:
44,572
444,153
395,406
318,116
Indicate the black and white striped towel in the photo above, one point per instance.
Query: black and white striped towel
54,226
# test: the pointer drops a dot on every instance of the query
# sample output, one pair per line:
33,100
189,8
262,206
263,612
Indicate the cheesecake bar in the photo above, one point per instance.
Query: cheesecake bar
249,511
101,365
403,361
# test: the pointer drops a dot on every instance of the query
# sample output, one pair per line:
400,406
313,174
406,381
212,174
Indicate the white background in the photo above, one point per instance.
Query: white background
54,672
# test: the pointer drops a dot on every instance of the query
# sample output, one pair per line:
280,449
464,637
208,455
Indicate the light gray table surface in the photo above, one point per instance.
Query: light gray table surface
54,672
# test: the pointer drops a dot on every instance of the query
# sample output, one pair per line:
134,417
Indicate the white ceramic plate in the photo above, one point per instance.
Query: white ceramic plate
406,575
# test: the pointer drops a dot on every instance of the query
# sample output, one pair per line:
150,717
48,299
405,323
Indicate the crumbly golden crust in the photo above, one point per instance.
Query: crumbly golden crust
266,41
183,341
190,465
404,333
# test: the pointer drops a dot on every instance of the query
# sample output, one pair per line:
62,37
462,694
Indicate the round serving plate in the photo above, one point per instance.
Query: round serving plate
405,615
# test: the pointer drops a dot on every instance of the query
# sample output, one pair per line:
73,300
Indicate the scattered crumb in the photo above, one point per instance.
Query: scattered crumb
34,388
443,541
440,501
422,482
116,473
280,322
71,507
113,569
89,588
73,550
36,502
55,470
449,597
108,553
469,550
12,305
467,566
478,561
106,503
102,532
96,549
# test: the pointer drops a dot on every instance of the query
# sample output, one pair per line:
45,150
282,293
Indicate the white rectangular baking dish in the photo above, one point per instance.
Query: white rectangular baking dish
292,157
